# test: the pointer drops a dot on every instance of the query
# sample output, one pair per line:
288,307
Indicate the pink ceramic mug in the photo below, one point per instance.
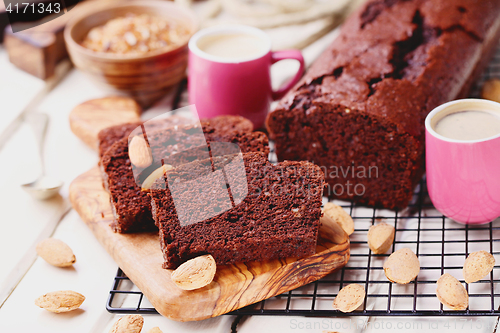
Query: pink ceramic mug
463,177
236,86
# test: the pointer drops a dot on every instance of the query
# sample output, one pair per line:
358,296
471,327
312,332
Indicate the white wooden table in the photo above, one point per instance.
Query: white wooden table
24,221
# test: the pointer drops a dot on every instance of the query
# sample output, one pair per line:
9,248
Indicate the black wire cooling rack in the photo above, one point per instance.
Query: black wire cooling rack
441,245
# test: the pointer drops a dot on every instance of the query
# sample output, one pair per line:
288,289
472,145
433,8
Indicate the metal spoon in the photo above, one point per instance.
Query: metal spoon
43,187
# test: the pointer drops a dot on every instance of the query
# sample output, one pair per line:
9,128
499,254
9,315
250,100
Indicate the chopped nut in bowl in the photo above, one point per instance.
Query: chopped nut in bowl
138,47
136,35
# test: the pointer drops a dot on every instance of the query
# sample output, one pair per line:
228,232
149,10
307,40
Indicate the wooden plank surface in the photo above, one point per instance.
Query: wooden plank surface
234,286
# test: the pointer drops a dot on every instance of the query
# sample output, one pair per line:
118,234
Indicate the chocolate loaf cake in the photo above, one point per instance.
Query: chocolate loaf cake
131,206
359,111
277,217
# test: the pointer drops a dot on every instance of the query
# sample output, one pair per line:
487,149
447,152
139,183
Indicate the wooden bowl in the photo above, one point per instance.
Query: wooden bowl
146,77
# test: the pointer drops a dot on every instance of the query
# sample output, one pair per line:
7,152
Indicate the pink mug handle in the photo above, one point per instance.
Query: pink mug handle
288,54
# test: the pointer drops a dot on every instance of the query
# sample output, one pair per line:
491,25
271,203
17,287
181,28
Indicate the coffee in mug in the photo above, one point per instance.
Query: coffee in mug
229,72
462,148
469,125
235,45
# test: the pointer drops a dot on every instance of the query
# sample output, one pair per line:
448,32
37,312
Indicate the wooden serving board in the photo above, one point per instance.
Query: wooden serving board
87,119
234,286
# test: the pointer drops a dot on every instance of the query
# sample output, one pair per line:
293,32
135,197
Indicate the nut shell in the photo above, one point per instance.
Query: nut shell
155,330
380,237
349,298
402,266
150,180
55,252
128,324
477,266
60,301
139,152
195,273
451,292
339,215
332,231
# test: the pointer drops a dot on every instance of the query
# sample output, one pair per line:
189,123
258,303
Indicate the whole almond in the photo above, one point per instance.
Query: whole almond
349,298
56,252
60,301
491,90
331,230
451,292
339,215
478,265
155,330
128,324
139,152
402,266
380,237
195,273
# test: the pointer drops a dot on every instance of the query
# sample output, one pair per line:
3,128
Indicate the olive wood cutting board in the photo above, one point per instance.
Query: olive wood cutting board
233,287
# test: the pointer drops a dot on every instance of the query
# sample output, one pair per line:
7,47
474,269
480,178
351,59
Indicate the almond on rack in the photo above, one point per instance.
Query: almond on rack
478,265
139,152
195,273
451,292
128,324
402,266
380,237
332,231
55,252
349,298
60,301
339,215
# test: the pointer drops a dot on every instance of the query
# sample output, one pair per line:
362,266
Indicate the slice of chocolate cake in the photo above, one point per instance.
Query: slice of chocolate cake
110,135
176,146
266,212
